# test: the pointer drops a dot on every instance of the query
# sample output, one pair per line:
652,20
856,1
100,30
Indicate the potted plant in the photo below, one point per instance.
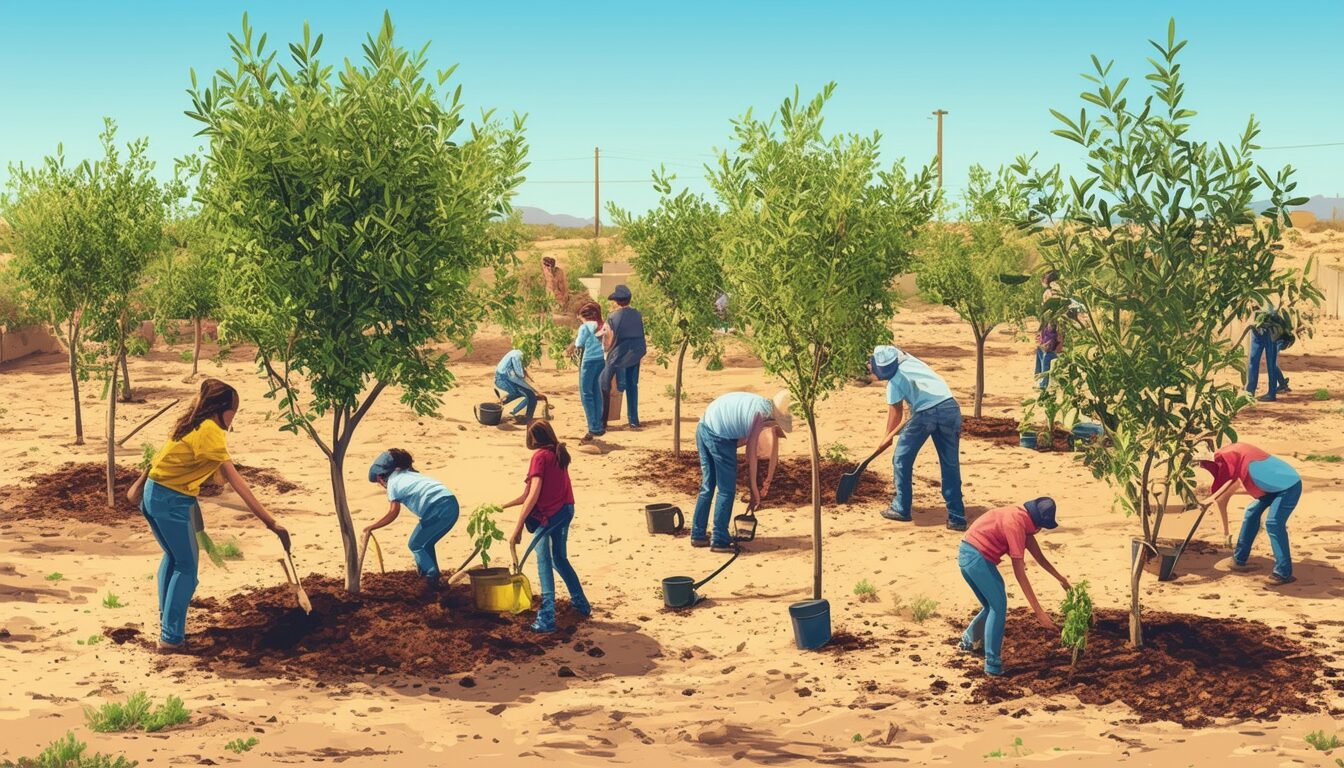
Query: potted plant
484,532
1026,434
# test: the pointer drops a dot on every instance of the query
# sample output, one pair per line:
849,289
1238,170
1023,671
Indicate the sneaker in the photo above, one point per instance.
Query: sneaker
1275,580
537,626
975,649
1240,566
892,514
699,543
953,525
993,672
586,439
1267,399
167,647
1284,386
722,548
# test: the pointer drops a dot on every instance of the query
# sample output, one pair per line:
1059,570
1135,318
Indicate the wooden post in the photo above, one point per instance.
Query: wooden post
939,114
597,198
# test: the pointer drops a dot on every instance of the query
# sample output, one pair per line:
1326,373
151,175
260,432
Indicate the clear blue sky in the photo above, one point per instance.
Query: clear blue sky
651,84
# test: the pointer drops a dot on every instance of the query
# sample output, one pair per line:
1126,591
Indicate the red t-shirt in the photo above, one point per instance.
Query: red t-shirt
1000,532
556,491
1233,462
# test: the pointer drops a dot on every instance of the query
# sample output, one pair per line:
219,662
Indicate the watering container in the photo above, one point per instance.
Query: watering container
679,592
1166,555
663,518
811,623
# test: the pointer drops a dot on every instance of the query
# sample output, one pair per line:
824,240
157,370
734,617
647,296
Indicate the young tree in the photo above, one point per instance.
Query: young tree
358,218
680,276
967,265
1159,245
814,234
189,279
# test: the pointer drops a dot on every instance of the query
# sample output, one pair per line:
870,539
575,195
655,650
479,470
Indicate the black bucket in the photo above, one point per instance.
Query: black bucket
664,518
489,414
679,591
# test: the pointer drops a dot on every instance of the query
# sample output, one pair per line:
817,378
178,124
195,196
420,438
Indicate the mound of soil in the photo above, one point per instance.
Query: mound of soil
390,627
792,485
1191,670
78,491
1001,431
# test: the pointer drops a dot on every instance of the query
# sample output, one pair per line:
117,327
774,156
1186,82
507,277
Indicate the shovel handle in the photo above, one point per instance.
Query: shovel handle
285,568
886,443
462,569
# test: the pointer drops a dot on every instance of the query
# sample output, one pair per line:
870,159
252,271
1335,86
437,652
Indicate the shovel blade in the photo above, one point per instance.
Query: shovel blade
522,594
848,484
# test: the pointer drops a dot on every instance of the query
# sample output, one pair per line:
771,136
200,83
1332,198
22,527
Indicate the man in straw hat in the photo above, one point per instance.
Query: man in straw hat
933,413
731,421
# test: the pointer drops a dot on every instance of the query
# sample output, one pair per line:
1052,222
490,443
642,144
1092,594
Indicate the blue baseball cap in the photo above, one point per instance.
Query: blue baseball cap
381,466
1042,512
621,293
885,361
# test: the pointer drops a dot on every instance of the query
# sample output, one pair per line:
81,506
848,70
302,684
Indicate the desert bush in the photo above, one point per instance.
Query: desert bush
923,608
69,753
1323,741
239,746
110,600
866,592
54,576
137,712
1320,394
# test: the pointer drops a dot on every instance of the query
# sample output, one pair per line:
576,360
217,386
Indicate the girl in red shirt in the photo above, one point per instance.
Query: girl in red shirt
548,509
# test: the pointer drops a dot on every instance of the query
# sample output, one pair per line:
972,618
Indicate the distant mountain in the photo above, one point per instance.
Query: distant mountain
1324,208
538,216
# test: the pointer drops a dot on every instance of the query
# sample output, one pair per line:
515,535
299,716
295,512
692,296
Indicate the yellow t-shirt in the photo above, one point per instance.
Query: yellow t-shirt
183,465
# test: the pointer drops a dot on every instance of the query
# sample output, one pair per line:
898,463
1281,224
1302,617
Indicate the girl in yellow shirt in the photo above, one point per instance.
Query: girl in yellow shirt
167,495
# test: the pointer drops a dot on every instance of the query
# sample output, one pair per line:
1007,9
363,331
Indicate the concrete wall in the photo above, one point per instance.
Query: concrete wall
30,340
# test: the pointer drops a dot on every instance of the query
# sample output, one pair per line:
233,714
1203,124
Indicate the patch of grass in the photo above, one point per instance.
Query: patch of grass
671,393
54,576
69,753
1323,741
1321,394
239,746
836,452
110,600
93,640
136,712
715,364
168,714
1016,750
230,550
185,355
1328,458
923,608
856,738
866,591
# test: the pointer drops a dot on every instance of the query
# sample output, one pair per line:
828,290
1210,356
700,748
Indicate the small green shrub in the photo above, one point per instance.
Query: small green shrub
114,717
93,640
1016,750
230,550
186,355
671,393
1323,741
69,753
170,713
55,576
1077,622
856,738
866,591
147,452
715,364
1321,394
923,608
110,600
837,453
1328,458
239,746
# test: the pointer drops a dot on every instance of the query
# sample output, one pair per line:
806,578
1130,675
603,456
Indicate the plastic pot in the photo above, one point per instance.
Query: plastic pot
489,414
491,589
1083,434
1027,440
811,623
664,518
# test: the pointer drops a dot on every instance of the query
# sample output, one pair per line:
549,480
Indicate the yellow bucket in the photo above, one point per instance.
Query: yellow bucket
501,591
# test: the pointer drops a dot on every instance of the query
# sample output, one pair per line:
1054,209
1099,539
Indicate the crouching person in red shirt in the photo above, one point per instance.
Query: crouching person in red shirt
1004,531
548,509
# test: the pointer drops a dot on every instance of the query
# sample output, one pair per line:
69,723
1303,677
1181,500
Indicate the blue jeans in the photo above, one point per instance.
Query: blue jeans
987,626
515,390
1280,383
1261,343
627,381
434,525
1280,506
718,470
590,371
553,558
942,422
169,515
1043,361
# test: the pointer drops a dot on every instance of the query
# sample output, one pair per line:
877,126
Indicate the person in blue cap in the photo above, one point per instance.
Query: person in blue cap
1007,531
625,328
934,413
425,497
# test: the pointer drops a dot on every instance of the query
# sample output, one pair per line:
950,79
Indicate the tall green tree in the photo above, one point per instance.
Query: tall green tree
679,265
1158,243
189,279
814,233
974,265
356,206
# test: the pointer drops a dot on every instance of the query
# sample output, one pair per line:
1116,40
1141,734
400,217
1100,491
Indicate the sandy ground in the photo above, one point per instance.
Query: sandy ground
721,683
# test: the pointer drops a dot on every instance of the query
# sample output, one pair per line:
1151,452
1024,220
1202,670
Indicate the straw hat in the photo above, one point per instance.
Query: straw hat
781,413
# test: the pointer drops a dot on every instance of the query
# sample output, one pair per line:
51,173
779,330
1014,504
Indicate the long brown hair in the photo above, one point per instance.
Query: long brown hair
591,311
214,398
540,435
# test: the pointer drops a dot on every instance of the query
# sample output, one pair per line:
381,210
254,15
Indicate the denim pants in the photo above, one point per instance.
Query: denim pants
1280,505
590,371
553,558
169,514
1280,383
1043,361
1262,344
627,381
515,390
942,422
718,470
433,525
987,626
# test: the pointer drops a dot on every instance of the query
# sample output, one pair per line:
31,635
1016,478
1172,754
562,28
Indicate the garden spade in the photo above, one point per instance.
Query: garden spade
299,594
462,569
377,550
849,482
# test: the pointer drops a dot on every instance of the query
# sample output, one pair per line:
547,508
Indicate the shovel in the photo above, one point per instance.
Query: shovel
462,569
849,482
679,591
377,550
1202,509
518,584
299,593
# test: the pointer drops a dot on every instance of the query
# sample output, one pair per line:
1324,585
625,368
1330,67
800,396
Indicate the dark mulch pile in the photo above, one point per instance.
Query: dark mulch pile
390,627
78,491
1001,431
844,641
792,485
1191,670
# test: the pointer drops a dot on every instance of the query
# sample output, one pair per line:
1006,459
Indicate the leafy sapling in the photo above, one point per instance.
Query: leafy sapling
483,531
1077,622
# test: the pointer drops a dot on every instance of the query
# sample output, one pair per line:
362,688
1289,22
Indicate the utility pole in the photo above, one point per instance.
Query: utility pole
597,198
939,114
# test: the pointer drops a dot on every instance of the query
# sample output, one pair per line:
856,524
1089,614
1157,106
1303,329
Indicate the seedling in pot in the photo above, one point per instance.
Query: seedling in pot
110,600
1077,621
866,591
483,531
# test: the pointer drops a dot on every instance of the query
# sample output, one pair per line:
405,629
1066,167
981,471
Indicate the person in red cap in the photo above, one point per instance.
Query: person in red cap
1004,531
1275,487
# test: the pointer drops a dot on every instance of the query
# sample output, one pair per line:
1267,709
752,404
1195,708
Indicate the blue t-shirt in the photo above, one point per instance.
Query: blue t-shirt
588,342
1273,475
511,366
918,385
731,416
418,493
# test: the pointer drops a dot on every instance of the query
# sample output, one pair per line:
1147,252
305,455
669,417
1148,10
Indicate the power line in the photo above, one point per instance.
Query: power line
588,181
1308,146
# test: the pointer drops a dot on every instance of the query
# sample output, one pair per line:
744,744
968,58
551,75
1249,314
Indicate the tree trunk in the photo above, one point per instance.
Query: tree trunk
196,354
125,376
1135,619
348,540
816,507
979,372
74,382
112,438
676,402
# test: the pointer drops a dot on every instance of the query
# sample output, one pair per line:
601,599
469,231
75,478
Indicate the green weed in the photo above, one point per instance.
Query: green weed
856,738
671,393
136,712
1323,741
837,453
170,713
230,550
69,753
239,746
866,591
186,355
923,608
1321,394
54,576
111,601
1329,458
93,640
1016,750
